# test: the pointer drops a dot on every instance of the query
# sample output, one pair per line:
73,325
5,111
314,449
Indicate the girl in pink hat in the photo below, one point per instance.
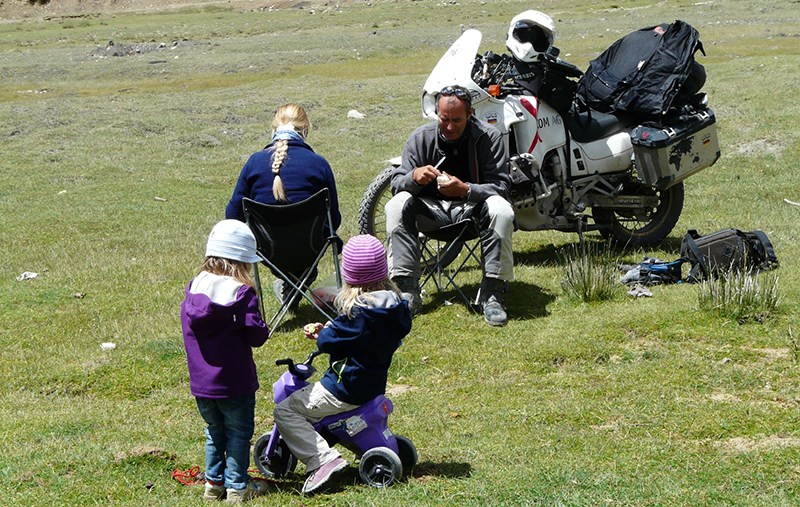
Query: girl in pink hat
373,321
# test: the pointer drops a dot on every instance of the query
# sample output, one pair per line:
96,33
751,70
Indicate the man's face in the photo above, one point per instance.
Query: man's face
453,116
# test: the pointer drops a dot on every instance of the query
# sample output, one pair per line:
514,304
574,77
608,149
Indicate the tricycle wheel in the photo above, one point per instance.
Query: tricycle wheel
406,451
380,467
281,464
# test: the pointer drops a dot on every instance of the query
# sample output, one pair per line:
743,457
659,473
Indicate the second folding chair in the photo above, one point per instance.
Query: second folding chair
292,240
441,249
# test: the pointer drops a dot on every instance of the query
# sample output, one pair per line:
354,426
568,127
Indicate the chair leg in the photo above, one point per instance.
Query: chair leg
300,288
259,292
440,275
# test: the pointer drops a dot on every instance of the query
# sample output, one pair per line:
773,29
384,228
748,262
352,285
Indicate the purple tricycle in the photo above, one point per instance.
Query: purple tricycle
364,431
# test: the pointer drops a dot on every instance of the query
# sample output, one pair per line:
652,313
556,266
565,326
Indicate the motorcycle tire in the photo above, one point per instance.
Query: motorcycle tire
372,215
642,227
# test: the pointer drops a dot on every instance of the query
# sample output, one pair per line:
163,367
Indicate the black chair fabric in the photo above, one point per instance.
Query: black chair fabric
291,240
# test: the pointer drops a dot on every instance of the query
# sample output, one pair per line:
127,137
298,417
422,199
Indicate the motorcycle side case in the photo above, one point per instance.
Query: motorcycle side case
667,155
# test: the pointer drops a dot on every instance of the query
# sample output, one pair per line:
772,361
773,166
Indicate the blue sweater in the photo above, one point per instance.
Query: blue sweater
304,173
361,348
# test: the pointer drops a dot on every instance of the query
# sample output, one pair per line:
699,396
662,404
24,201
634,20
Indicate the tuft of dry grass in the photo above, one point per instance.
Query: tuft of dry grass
740,295
589,273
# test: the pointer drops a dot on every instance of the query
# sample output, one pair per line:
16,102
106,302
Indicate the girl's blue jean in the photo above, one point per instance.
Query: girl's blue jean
230,428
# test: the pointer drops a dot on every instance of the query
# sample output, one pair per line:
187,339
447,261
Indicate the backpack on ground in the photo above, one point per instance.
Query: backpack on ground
727,250
646,72
652,271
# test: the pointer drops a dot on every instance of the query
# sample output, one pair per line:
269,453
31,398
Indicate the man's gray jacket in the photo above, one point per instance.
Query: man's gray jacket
488,161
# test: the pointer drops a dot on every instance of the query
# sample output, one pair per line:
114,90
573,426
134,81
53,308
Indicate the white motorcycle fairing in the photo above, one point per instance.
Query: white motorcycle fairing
582,171
537,128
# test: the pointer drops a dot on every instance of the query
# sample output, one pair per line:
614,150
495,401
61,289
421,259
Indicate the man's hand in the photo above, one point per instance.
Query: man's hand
450,186
424,175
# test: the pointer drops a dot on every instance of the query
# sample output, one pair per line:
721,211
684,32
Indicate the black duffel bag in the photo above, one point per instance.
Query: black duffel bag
727,250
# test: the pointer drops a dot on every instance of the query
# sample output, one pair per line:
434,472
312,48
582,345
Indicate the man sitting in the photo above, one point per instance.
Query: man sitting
453,169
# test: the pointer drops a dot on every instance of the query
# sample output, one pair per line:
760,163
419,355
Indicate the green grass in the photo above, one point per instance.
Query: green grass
631,402
590,273
740,295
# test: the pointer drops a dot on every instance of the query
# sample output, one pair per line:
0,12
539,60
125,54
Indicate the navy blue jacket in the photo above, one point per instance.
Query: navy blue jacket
361,350
304,173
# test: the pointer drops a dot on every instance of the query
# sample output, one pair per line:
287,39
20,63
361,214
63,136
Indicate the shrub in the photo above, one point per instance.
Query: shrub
740,295
590,273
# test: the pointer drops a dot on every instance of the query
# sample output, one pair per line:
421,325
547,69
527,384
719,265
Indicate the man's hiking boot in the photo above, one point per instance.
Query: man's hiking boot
491,298
409,287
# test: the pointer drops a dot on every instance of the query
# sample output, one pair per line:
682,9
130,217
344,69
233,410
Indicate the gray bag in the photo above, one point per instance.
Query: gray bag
726,250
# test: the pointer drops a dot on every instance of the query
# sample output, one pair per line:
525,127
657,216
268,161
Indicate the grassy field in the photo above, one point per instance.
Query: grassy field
114,169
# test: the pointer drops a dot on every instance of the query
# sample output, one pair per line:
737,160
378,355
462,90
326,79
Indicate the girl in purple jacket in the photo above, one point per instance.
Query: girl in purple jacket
221,324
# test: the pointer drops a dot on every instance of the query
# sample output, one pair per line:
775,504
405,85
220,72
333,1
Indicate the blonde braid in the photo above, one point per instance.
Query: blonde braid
278,157
287,114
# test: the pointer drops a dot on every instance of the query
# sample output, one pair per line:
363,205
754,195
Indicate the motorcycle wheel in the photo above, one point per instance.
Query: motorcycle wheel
282,463
380,467
645,226
372,215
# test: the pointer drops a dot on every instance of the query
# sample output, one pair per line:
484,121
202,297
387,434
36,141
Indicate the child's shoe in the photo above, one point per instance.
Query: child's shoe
214,491
253,489
322,474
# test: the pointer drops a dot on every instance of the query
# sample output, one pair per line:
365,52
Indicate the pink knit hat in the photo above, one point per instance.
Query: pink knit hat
364,261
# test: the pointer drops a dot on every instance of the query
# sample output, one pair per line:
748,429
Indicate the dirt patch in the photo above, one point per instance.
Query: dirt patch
724,398
145,451
397,389
11,10
740,445
760,147
771,355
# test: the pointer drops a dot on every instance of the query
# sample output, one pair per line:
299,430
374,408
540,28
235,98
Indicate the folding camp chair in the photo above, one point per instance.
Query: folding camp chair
441,248
293,238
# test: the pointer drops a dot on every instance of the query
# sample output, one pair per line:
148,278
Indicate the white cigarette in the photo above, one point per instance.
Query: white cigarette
439,162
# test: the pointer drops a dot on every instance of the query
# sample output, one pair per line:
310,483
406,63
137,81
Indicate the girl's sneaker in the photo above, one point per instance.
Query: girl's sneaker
214,491
253,489
317,478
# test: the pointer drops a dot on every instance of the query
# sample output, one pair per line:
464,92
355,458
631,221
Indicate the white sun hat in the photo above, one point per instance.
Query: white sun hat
232,239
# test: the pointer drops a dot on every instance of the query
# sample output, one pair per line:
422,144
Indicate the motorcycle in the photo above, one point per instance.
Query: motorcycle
382,455
572,170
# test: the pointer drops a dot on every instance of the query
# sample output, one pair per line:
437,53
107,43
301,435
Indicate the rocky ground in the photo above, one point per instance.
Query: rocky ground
46,9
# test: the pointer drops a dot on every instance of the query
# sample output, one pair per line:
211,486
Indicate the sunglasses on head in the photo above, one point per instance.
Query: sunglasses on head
461,93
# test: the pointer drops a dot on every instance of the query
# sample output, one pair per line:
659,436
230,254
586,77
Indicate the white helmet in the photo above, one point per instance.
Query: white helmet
530,34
